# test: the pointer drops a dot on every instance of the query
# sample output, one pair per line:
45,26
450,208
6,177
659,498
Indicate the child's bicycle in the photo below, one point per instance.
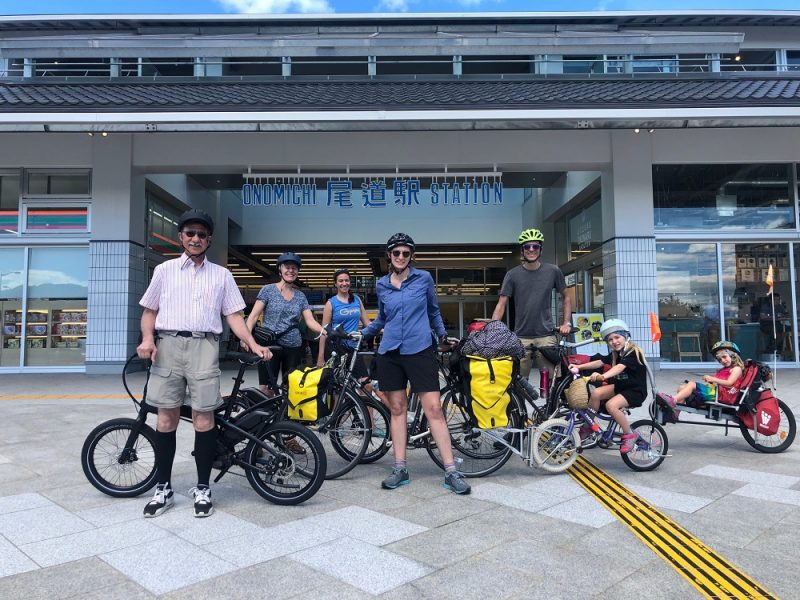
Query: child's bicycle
765,422
649,450
283,461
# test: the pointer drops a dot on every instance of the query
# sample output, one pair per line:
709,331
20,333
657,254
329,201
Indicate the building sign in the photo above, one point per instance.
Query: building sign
374,192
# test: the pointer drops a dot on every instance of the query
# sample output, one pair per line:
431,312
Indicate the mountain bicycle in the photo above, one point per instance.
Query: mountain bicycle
118,456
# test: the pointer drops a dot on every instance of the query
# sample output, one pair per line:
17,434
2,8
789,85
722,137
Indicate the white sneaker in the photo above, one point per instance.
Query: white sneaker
161,502
202,502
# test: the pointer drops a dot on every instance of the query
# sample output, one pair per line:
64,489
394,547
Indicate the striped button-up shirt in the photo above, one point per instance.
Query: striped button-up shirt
191,297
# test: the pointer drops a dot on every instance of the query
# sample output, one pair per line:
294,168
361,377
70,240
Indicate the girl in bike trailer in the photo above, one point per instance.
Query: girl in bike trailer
283,306
408,310
347,310
627,378
698,393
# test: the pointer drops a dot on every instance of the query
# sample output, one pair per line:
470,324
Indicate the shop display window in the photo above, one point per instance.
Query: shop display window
49,219
749,309
12,262
688,301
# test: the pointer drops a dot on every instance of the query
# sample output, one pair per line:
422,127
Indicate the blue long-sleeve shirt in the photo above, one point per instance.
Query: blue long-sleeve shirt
407,314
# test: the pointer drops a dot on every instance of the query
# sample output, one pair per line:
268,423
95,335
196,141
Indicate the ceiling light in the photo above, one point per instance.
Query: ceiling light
636,130
651,130
104,134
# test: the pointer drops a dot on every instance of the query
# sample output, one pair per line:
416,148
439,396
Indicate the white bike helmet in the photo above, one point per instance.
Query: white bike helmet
614,326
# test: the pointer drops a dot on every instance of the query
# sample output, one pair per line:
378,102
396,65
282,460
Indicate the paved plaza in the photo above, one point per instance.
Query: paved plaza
521,534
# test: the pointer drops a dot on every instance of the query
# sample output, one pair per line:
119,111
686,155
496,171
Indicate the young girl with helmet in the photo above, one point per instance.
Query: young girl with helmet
283,306
627,378
407,312
707,390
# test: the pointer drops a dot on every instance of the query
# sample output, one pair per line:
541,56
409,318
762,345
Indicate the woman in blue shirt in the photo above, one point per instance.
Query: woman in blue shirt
346,310
407,312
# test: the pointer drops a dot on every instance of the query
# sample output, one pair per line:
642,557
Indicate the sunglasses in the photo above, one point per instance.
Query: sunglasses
190,233
399,253
532,247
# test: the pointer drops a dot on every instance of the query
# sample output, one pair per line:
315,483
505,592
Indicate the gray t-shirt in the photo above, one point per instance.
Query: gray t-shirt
279,314
532,293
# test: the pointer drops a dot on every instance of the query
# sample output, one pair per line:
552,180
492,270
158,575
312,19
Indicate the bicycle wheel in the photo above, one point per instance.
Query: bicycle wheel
297,469
554,450
781,440
347,433
476,452
380,442
115,467
651,447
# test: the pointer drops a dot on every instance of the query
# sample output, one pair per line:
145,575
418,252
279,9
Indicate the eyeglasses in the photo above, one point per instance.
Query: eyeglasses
190,233
399,253
532,247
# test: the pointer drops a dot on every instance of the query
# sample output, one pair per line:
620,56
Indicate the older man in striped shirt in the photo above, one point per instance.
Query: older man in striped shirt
183,308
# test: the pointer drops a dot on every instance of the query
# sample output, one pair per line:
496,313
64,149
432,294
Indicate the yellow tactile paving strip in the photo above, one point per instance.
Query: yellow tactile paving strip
710,573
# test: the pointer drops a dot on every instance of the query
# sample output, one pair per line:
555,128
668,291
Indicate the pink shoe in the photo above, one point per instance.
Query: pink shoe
628,442
673,418
585,431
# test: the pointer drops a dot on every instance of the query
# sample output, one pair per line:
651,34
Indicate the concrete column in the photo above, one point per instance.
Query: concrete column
117,274
115,66
286,66
629,250
28,65
457,65
372,66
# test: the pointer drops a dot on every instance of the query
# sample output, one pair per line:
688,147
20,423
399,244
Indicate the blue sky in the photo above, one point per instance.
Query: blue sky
11,7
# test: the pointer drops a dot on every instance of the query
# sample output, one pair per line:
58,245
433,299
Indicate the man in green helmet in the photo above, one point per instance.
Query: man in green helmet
530,285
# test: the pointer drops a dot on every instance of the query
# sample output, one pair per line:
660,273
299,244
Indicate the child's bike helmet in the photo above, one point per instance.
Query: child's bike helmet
614,326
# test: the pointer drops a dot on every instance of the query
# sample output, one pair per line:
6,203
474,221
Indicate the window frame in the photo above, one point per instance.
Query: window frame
25,183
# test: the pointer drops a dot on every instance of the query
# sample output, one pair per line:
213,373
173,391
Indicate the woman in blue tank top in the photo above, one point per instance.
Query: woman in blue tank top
346,310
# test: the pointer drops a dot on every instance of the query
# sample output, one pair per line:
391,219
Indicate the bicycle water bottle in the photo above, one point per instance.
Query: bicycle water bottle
544,381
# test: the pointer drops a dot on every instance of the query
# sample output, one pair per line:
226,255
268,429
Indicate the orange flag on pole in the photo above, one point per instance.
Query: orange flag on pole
655,329
770,280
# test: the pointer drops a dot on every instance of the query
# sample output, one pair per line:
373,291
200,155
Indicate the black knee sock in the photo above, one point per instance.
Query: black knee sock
205,447
165,455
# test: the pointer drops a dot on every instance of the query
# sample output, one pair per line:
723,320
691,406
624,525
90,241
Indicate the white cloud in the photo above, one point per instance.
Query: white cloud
277,6
393,5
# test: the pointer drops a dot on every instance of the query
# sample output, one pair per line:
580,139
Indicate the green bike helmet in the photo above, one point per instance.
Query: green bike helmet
725,345
530,235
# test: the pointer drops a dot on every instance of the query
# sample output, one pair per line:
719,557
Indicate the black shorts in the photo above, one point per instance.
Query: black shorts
396,370
633,396
283,362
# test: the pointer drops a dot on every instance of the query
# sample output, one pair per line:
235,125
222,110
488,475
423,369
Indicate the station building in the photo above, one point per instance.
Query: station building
658,152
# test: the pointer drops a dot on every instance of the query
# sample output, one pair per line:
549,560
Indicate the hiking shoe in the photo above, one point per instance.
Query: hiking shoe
293,446
161,502
202,501
628,442
395,479
455,482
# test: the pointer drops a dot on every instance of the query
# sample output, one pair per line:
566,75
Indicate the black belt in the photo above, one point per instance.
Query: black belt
187,334
184,333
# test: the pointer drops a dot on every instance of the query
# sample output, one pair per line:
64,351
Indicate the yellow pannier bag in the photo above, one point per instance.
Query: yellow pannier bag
487,382
307,394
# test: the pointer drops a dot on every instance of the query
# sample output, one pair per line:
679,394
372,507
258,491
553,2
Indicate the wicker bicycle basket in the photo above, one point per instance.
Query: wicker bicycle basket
577,394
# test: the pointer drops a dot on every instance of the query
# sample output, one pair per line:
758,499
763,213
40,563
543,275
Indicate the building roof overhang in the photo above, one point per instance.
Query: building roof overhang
544,103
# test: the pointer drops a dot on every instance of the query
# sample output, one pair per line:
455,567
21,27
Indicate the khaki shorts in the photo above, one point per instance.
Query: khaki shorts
538,361
185,364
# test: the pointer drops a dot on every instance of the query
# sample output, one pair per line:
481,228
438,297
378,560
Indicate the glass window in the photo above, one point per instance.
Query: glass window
688,300
9,202
693,63
63,183
324,65
748,308
749,60
11,285
72,219
162,227
250,66
585,230
416,65
71,67
723,197
490,65
596,293
655,64
56,320
583,64
793,60
167,67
